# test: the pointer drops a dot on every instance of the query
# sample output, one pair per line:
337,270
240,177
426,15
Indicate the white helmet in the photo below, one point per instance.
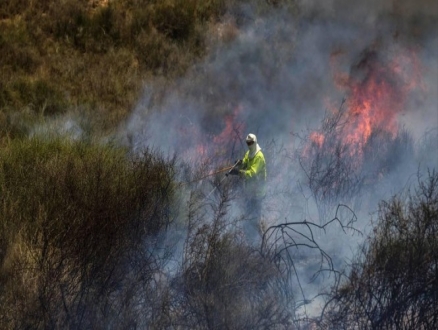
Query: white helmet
251,138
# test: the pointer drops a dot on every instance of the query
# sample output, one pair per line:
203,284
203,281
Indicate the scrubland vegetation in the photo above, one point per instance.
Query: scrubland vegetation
393,283
92,57
83,222
75,226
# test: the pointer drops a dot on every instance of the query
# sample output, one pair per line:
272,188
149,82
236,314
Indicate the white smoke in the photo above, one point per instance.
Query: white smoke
278,72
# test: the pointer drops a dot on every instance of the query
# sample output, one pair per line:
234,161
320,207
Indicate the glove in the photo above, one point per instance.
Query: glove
234,171
238,162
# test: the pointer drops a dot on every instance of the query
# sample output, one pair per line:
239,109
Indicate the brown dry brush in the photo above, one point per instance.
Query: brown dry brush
223,282
77,232
393,284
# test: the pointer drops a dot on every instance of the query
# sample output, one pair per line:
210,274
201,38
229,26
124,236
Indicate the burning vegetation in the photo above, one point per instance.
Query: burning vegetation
99,233
359,143
377,89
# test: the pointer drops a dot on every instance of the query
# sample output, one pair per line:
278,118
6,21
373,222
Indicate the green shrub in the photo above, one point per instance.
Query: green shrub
41,96
59,55
74,220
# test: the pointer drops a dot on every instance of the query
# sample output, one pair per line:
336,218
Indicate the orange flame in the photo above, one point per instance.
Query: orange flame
205,146
377,94
230,129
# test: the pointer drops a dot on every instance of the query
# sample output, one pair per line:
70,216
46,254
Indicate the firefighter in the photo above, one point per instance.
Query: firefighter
252,168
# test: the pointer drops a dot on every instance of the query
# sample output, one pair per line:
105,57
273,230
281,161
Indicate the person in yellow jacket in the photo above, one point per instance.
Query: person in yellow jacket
253,171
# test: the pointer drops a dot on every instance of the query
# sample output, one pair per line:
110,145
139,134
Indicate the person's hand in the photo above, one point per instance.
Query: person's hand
234,171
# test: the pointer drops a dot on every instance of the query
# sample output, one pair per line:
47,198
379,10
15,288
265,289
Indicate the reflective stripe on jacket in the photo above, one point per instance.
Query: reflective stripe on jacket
254,172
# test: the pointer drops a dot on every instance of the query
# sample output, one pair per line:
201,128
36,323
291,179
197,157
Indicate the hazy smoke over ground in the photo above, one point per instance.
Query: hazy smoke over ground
279,78
278,72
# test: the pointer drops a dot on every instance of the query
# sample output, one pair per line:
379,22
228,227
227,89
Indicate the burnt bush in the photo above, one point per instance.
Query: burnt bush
393,284
223,282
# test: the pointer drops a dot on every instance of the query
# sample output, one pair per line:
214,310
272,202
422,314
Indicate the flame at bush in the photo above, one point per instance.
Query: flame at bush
377,89
360,141
205,145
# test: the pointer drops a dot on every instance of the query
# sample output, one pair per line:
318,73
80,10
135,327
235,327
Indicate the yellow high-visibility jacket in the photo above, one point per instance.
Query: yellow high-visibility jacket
254,172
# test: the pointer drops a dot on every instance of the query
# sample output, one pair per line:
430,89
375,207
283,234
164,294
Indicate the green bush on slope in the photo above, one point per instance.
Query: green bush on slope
96,54
73,225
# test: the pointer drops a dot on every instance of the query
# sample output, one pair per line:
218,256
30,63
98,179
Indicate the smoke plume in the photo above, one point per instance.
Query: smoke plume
282,75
